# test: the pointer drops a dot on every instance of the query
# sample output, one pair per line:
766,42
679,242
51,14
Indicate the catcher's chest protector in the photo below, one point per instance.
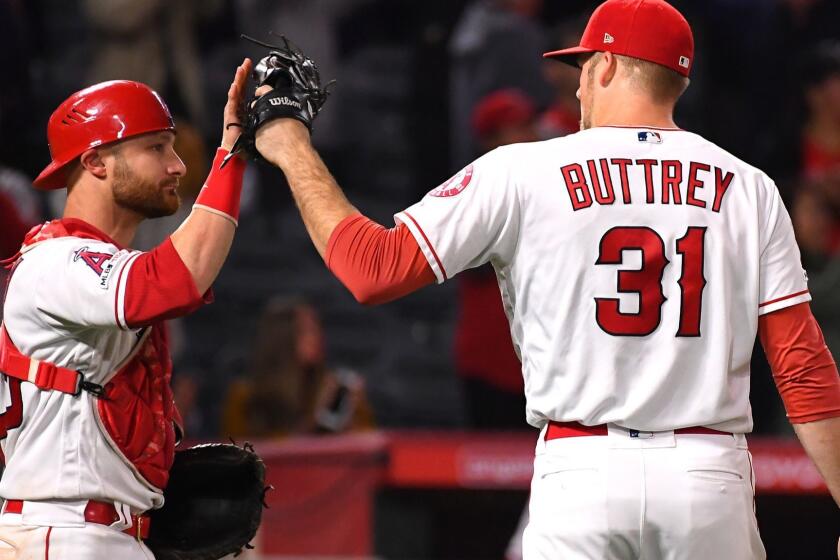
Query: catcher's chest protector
138,411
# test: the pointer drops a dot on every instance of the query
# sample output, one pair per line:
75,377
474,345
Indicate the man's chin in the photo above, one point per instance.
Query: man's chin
165,208
170,209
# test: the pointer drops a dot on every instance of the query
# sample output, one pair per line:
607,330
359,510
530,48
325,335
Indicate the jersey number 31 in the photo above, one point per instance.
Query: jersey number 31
646,282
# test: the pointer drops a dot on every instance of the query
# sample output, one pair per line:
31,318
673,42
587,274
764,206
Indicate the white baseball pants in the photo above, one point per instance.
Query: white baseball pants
651,496
66,538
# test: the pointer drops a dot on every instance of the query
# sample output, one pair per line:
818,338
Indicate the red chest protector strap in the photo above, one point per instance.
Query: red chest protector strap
44,375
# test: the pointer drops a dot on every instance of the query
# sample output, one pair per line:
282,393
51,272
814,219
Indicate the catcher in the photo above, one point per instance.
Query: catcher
88,426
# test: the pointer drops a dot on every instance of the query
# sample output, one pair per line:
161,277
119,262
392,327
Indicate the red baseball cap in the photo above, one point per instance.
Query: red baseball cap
651,30
507,107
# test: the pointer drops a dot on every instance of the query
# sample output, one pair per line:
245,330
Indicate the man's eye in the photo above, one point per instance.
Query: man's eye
158,147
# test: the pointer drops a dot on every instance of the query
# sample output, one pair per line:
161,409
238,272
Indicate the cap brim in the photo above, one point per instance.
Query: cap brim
569,56
54,176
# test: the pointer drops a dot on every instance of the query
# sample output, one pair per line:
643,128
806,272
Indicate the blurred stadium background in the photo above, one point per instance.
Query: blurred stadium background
398,431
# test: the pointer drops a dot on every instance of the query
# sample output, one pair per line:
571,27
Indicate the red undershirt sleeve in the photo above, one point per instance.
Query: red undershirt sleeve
159,286
803,368
376,264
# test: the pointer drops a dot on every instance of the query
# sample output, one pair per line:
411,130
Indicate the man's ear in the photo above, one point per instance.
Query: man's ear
607,69
91,160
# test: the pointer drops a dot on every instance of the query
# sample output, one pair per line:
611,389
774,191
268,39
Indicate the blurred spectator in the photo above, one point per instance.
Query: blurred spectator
290,390
496,44
12,227
816,219
153,42
18,188
485,360
504,117
821,134
563,115
19,210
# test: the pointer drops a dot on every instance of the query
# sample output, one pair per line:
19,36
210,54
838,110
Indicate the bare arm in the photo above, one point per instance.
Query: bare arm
821,440
204,239
322,204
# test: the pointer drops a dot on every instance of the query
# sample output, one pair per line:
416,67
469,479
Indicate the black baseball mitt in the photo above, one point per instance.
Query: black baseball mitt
213,503
297,93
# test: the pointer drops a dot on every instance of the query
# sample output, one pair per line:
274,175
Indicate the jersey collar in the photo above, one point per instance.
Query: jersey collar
65,227
639,127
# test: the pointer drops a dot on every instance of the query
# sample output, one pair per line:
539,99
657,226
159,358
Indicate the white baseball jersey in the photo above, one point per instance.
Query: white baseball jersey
633,265
65,305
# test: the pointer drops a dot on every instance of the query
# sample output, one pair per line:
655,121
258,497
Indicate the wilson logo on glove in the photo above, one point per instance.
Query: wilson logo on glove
284,101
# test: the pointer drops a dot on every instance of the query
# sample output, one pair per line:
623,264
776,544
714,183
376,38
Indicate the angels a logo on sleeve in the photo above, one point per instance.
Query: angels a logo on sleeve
455,185
100,263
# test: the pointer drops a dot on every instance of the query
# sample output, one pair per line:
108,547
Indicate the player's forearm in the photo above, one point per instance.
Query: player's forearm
204,239
821,439
203,242
322,204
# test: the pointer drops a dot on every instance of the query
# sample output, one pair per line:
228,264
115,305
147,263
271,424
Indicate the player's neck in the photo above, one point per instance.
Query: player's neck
632,111
116,222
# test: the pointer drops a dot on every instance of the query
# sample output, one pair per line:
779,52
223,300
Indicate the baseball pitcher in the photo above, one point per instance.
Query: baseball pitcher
636,262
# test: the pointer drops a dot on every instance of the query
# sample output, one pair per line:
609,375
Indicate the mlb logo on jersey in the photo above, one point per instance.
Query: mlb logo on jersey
650,137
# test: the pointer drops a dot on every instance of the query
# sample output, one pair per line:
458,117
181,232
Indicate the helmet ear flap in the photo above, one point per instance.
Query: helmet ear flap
96,116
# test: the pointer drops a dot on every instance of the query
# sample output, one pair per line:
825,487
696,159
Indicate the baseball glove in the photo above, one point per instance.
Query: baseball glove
213,503
297,93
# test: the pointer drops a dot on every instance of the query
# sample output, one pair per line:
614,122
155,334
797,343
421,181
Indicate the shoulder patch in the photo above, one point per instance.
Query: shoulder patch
455,185
100,263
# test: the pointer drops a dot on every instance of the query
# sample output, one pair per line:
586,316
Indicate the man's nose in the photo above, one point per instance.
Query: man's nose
177,167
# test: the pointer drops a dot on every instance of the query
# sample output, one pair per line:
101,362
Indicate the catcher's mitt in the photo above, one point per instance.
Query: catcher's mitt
213,503
297,93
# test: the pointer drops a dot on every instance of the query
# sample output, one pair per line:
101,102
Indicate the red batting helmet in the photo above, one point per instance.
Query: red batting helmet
99,115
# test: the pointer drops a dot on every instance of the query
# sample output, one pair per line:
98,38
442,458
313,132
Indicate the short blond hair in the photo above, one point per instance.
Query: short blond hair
661,83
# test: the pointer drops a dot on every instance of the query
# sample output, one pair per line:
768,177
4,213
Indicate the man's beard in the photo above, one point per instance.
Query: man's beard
132,192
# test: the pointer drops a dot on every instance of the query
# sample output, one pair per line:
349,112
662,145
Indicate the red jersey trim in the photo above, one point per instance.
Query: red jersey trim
428,243
803,292
120,289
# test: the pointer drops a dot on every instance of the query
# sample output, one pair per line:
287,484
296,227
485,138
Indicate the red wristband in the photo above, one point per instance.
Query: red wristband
220,193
